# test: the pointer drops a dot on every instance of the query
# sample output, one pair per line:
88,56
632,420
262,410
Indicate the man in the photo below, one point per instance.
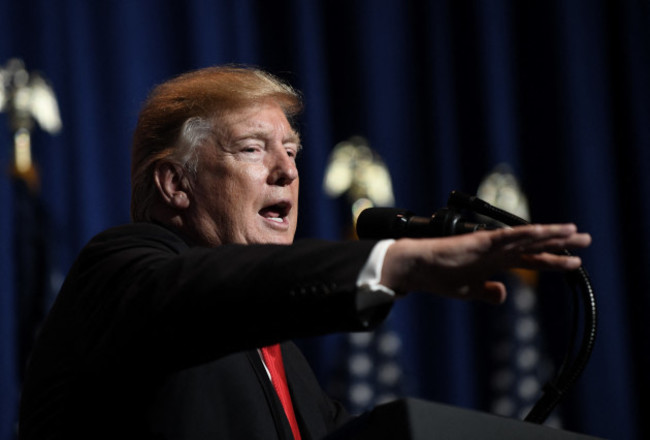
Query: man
163,327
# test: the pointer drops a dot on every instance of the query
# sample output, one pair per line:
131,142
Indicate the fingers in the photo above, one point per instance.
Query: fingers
532,239
554,245
525,233
549,261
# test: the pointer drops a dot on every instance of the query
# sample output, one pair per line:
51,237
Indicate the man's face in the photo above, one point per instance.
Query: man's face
246,190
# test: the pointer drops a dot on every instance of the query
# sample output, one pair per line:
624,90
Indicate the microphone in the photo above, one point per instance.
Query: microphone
379,223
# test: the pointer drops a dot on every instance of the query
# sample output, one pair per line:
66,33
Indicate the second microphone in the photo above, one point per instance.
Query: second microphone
379,223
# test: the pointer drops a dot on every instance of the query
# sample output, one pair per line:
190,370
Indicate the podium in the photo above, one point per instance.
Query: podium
414,419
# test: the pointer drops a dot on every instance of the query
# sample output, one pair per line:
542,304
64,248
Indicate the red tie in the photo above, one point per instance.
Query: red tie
273,360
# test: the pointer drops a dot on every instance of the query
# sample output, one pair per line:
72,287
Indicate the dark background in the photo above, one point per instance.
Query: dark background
444,91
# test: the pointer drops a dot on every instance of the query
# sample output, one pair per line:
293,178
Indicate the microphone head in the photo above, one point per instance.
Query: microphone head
379,223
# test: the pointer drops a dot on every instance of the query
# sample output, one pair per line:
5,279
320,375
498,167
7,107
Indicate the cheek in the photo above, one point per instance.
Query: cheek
242,182
255,175
246,187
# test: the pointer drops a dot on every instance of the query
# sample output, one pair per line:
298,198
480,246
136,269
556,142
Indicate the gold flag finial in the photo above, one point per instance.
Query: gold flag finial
359,172
26,97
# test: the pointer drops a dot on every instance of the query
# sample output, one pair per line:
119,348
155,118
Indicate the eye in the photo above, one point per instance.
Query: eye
250,151
251,148
292,151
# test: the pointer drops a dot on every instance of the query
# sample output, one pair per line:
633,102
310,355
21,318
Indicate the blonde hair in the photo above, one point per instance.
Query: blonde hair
183,113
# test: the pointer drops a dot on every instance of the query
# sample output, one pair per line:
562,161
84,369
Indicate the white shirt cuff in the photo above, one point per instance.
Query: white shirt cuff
368,280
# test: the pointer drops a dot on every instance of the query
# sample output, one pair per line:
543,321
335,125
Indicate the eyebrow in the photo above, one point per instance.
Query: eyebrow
292,137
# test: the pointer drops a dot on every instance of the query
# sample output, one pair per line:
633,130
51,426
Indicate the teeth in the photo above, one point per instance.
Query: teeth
276,219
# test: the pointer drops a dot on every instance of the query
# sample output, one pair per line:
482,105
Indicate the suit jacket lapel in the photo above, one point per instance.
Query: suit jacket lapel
304,394
282,426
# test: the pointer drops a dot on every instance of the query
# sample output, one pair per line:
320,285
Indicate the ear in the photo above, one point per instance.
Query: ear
172,185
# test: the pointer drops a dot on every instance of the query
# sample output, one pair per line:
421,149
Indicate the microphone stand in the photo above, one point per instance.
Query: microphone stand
580,284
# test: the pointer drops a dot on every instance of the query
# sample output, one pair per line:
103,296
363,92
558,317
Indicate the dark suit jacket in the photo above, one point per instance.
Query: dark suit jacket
151,337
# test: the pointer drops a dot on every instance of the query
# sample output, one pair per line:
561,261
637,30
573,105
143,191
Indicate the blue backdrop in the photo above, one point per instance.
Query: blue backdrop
443,91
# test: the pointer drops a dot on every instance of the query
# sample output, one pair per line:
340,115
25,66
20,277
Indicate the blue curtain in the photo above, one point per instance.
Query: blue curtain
443,90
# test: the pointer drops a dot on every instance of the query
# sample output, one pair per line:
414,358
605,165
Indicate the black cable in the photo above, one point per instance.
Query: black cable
573,332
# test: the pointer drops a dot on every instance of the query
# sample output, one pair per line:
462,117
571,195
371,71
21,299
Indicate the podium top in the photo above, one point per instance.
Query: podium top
414,419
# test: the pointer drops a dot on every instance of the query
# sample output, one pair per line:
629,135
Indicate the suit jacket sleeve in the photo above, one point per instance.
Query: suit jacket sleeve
141,291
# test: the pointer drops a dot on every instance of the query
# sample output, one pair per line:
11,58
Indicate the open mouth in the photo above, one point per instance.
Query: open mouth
276,212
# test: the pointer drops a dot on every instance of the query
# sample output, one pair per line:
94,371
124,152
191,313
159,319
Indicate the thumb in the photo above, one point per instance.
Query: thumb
494,292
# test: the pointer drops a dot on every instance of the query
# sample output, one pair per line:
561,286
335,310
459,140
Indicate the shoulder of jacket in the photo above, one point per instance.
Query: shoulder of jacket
139,234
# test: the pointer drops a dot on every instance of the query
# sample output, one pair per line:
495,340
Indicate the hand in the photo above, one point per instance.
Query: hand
460,266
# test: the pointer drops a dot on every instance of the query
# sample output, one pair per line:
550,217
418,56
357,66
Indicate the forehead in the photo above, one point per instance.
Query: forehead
263,119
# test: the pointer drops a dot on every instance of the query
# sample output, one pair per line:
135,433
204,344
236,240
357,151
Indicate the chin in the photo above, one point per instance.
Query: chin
280,240
270,239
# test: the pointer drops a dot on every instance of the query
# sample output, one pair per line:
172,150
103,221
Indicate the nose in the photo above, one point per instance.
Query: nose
283,170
